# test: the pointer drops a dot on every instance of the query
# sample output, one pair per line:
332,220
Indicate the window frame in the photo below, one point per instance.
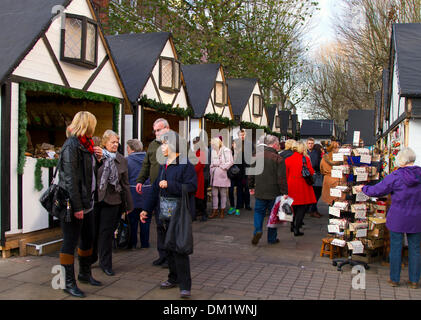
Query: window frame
277,122
174,81
82,61
224,94
260,112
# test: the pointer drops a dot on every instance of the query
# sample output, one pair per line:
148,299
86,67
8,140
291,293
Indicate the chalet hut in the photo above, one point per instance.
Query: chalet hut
208,94
54,62
150,70
400,123
320,130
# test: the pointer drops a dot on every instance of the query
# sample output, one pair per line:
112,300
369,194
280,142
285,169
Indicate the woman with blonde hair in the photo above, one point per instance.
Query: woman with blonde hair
77,177
326,168
298,188
221,161
288,149
114,198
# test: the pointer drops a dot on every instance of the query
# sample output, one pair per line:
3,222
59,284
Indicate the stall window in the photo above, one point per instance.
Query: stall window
79,41
277,122
257,105
220,93
169,74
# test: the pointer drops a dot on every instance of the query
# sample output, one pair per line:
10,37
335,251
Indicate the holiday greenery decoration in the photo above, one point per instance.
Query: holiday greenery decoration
214,117
62,91
42,163
165,108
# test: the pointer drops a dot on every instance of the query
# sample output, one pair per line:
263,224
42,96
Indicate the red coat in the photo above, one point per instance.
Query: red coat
298,189
199,167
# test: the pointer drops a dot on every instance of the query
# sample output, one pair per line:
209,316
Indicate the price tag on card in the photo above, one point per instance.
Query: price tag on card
360,214
356,140
335,193
345,151
338,243
362,177
361,233
333,228
361,197
365,158
336,174
335,211
338,157
356,247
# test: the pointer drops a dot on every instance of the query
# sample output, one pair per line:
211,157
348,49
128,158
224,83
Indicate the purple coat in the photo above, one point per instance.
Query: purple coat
404,185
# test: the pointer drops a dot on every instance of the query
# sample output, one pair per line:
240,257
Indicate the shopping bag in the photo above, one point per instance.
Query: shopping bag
122,233
285,212
273,221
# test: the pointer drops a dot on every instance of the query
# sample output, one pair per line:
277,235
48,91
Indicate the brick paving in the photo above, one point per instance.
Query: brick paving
224,266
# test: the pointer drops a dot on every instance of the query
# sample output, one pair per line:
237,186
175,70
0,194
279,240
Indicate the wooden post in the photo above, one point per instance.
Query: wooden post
406,132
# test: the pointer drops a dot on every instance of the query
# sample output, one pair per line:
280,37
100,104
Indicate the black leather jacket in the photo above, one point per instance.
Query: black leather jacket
75,173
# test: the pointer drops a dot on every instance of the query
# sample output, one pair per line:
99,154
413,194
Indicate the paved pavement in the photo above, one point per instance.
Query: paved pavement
224,266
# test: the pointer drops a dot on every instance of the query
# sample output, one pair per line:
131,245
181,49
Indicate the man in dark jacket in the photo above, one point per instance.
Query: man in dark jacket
271,183
150,169
135,159
315,158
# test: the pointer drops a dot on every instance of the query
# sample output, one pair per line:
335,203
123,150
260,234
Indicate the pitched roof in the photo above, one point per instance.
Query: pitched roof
135,56
239,91
363,121
22,23
271,111
317,128
200,80
406,39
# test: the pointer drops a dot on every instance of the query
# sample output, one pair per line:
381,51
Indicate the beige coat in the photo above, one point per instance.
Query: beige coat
329,182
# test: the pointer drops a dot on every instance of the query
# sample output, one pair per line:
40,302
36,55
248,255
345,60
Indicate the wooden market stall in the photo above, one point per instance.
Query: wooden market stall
399,121
208,94
247,105
51,67
151,73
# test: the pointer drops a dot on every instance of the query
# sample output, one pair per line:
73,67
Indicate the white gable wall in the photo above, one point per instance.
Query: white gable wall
38,64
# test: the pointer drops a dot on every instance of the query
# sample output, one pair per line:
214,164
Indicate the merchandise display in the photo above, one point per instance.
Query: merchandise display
357,222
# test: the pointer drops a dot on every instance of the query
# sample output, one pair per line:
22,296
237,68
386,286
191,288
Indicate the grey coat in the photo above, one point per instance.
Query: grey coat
109,195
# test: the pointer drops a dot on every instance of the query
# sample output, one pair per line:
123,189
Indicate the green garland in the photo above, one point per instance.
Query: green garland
45,163
52,88
116,117
165,108
214,117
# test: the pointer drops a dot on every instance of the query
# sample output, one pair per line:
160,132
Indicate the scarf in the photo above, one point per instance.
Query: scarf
110,173
88,143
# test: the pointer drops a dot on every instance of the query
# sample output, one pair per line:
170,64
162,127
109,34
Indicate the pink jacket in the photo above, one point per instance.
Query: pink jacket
220,163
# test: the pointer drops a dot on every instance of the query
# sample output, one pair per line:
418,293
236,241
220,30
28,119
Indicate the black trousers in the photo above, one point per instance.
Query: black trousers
299,212
77,229
179,265
318,194
160,235
106,219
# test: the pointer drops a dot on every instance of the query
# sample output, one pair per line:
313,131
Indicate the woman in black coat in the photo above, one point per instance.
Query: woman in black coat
114,199
77,178
176,171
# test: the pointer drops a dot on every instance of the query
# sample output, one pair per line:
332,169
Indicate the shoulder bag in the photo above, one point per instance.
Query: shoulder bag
234,171
56,200
306,173
168,206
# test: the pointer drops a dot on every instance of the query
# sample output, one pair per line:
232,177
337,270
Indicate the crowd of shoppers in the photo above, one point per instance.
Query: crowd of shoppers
103,186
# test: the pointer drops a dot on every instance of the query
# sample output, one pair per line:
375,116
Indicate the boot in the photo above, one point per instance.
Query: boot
222,213
297,232
71,286
214,214
292,227
85,273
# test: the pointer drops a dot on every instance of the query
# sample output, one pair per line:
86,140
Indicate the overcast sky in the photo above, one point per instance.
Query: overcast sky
321,31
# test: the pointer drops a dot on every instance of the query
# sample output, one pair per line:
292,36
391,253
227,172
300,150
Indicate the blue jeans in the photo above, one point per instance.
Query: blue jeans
260,208
144,229
414,263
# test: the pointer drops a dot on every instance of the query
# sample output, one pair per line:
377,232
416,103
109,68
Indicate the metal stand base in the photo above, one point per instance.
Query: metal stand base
349,261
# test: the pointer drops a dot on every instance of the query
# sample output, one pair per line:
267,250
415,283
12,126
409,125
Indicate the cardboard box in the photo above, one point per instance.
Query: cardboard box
377,233
373,244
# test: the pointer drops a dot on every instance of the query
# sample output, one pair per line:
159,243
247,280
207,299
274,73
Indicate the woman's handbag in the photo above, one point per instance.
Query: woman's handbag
122,233
168,206
56,200
306,173
318,179
233,172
